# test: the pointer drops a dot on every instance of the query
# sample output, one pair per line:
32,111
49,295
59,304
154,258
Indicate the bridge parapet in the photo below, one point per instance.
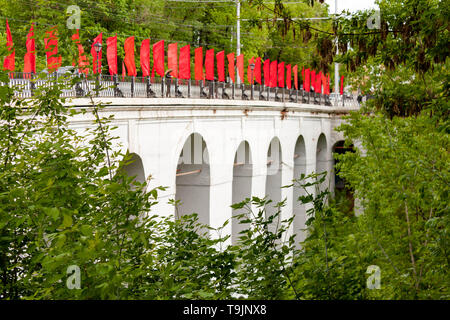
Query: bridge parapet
107,86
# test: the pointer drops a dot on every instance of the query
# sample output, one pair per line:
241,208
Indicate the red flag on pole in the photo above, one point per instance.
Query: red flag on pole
342,85
209,64
240,67
96,64
185,62
220,56
313,79
288,76
111,54
319,82
295,71
230,58
306,81
145,57
273,74
172,57
51,50
198,64
258,70
9,62
129,56
249,71
82,59
158,57
267,73
281,75
30,56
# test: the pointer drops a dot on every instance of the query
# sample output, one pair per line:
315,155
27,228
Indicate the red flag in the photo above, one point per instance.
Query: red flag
288,76
129,56
158,57
303,77
145,57
295,71
30,56
198,64
209,64
172,57
111,54
257,72
9,62
220,56
313,79
230,58
306,81
324,83
51,49
82,59
267,73
240,66
96,64
249,71
318,88
342,85
281,75
273,74
185,62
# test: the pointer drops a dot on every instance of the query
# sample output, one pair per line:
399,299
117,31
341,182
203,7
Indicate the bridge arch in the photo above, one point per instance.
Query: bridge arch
342,191
134,167
242,185
193,179
274,178
322,158
299,209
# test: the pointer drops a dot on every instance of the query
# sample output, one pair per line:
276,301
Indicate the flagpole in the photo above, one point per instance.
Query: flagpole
336,65
238,35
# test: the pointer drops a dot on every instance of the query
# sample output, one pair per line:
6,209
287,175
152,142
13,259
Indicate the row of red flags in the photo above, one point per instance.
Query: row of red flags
276,74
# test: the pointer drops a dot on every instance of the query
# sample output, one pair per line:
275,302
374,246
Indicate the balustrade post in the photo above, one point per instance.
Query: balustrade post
148,86
32,84
116,85
189,88
232,90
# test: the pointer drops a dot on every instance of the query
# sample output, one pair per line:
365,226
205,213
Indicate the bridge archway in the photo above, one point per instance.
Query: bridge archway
342,192
299,209
322,159
242,185
193,179
134,168
273,179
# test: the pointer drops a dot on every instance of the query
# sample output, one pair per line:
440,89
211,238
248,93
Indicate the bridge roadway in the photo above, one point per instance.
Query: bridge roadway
211,153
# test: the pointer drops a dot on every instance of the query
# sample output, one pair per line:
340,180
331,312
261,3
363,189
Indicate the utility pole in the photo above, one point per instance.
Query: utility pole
336,65
238,34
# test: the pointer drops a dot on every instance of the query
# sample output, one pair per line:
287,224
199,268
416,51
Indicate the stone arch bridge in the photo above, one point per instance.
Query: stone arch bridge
213,153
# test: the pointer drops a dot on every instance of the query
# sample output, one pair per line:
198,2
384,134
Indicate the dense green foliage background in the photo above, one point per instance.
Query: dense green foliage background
211,25
62,203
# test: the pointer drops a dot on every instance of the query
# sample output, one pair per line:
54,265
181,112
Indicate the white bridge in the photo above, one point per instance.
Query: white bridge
213,153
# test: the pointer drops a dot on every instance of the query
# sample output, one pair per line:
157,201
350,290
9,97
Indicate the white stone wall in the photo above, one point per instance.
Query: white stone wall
157,129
